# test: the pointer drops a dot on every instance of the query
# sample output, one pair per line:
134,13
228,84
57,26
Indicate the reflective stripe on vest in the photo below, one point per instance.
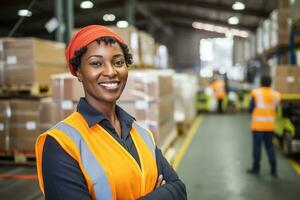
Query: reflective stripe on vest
146,137
261,119
261,104
90,164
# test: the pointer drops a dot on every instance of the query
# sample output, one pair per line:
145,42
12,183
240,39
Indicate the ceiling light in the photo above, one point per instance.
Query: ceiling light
122,24
238,6
233,20
109,17
86,5
24,13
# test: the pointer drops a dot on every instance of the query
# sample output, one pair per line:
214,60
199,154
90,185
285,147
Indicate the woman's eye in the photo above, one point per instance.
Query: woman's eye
96,63
119,63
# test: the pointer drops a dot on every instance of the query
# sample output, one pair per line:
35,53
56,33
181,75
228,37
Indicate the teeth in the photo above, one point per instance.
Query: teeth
109,85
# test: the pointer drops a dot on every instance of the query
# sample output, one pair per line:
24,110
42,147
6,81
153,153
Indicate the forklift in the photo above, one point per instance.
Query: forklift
288,124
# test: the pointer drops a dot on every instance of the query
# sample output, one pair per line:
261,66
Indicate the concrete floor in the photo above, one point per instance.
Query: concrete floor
214,167
12,189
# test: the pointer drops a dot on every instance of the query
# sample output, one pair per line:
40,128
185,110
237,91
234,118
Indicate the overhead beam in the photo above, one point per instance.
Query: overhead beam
155,20
212,6
170,14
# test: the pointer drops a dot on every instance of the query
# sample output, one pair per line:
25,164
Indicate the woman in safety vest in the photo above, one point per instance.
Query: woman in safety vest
99,152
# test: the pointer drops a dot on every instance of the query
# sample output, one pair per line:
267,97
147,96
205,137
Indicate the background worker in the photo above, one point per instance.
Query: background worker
99,152
263,108
219,88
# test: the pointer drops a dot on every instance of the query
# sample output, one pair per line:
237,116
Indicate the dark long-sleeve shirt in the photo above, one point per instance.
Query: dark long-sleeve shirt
64,180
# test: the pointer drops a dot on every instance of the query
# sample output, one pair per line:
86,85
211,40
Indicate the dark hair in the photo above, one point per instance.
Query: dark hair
75,61
265,81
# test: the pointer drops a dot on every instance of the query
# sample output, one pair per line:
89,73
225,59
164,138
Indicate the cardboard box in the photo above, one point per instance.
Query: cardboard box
147,49
286,78
62,109
130,37
161,132
66,87
157,111
28,120
147,85
31,60
4,124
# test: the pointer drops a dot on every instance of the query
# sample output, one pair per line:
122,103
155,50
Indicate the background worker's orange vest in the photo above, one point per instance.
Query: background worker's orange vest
263,115
219,89
110,171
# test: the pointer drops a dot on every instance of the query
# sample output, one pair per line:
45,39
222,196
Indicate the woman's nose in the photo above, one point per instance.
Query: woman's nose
109,70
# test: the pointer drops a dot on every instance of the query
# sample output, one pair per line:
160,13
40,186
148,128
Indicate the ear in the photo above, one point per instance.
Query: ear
79,75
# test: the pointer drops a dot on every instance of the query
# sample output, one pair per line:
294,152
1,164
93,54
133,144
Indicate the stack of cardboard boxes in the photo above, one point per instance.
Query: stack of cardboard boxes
280,25
26,62
66,92
22,120
130,37
5,114
149,97
286,78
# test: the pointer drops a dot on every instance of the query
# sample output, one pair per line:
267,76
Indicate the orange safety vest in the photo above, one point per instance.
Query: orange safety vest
219,89
110,171
263,115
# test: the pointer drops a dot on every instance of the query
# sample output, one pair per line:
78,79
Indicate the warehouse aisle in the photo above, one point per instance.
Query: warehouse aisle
214,166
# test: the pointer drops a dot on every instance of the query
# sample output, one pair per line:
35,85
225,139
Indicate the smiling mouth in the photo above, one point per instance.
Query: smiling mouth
110,85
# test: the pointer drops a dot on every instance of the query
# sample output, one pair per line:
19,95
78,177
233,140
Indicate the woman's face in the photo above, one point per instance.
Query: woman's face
103,72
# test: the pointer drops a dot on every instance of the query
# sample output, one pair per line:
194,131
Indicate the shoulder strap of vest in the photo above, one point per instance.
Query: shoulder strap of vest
87,159
147,137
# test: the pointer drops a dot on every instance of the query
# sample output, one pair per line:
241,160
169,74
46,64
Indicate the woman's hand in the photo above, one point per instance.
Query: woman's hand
160,181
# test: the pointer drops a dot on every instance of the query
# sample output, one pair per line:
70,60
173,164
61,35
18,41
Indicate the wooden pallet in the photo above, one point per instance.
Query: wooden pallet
17,157
36,89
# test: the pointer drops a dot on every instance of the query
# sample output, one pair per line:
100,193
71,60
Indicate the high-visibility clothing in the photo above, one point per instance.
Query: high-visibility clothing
218,87
110,171
263,116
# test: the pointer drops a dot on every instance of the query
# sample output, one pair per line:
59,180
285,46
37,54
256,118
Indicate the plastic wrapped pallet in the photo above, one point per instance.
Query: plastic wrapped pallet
280,27
130,37
66,92
186,87
148,85
161,57
30,60
149,97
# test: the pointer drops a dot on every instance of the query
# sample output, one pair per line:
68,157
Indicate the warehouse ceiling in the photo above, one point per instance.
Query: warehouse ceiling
162,15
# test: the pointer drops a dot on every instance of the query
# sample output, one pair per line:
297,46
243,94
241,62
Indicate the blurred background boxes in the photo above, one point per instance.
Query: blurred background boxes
5,114
149,97
22,121
66,93
130,37
286,78
30,60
